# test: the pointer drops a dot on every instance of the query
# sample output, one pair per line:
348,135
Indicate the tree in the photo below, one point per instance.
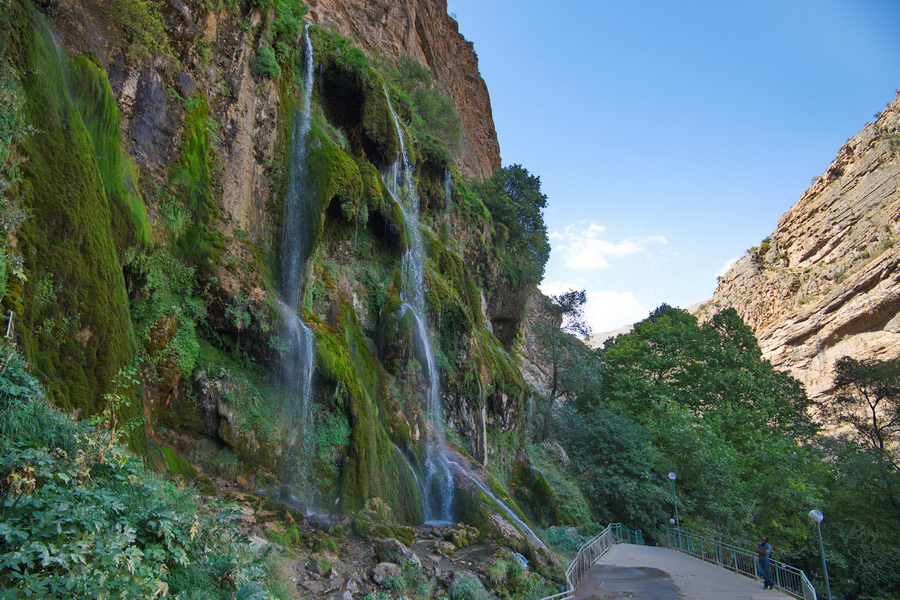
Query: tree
514,198
717,414
862,509
573,368
613,460
868,400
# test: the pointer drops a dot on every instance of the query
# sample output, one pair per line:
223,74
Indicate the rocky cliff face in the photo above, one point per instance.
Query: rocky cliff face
155,182
826,283
423,30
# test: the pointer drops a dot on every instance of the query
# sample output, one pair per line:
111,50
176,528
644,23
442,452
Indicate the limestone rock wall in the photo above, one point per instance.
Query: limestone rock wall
826,283
423,30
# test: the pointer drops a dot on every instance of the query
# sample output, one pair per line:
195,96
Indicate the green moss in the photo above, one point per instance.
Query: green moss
535,495
78,334
352,94
173,462
335,174
95,102
193,183
377,122
372,467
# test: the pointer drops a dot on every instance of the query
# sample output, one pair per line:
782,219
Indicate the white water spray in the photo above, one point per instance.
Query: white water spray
438,485
299,357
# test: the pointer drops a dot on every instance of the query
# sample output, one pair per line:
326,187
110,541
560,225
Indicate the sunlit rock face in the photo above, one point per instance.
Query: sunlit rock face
423,30
826,283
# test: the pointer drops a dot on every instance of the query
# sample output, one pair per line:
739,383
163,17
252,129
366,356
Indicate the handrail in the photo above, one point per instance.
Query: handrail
590,553
788,579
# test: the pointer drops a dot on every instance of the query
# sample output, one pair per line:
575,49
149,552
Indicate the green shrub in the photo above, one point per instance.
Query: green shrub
466,586
266,65
163,288
81,518
141,26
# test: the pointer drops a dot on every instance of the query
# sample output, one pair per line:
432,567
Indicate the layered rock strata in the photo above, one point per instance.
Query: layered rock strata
826,283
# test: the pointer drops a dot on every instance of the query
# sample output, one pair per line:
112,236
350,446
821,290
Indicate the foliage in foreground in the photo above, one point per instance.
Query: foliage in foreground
81,518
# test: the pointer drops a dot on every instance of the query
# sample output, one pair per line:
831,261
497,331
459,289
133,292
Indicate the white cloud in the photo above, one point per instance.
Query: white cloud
724,268
605,310
584,250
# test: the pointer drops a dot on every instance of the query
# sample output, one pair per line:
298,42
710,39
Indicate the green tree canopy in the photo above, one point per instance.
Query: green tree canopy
514,198
716,413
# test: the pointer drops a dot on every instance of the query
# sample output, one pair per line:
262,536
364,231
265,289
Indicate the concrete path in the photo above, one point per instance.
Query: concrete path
651,573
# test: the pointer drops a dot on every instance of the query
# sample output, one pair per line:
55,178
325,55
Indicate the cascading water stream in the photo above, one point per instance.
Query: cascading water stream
439,488
438,485
509,512
448,190
299,356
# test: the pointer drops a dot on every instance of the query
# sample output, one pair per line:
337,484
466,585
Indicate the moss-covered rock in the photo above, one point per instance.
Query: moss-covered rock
92,95
193,181
75,325
372,467
535,495
334,174
353,96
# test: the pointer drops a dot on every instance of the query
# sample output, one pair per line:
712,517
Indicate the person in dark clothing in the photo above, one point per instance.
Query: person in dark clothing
764,550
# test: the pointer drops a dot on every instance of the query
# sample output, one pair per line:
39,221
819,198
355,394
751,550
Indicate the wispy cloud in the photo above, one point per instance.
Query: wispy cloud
605,310
724,268
583,249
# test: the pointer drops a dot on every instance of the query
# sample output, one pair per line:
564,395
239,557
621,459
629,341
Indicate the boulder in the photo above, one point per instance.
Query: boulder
384,571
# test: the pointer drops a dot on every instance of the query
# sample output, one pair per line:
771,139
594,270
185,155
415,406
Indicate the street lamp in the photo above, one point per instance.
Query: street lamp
673,477
817,517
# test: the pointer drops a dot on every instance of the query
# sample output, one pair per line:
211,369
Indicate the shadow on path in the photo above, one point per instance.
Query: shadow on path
609,582
653,573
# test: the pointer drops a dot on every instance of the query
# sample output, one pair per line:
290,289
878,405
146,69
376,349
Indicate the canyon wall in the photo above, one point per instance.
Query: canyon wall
162,149
423,30
826,283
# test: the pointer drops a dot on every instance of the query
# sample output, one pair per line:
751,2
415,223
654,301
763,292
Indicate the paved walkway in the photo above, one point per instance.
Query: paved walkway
651,573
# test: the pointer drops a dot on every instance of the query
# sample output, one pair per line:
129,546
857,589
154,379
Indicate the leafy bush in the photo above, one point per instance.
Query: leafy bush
466,586
141,25
163,290
266,64
80,517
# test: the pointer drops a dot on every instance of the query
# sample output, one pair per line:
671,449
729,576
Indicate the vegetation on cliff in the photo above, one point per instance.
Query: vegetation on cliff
81,517
182,303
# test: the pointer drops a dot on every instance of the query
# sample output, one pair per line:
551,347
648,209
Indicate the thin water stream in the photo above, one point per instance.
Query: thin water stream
438,485
439,481
299,356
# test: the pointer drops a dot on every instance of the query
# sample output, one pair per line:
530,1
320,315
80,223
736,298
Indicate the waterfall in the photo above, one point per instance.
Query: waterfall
438,485
299,357
509,512
448,190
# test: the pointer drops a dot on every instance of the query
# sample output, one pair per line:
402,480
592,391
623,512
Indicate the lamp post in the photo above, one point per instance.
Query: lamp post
817,517
673,477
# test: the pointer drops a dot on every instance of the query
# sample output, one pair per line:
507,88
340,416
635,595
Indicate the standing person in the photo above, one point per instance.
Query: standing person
764,549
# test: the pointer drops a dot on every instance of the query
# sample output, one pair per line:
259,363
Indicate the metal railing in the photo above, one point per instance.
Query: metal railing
788,579
591,552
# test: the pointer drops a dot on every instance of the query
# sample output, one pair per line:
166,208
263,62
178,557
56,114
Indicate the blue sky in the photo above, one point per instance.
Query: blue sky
670,136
